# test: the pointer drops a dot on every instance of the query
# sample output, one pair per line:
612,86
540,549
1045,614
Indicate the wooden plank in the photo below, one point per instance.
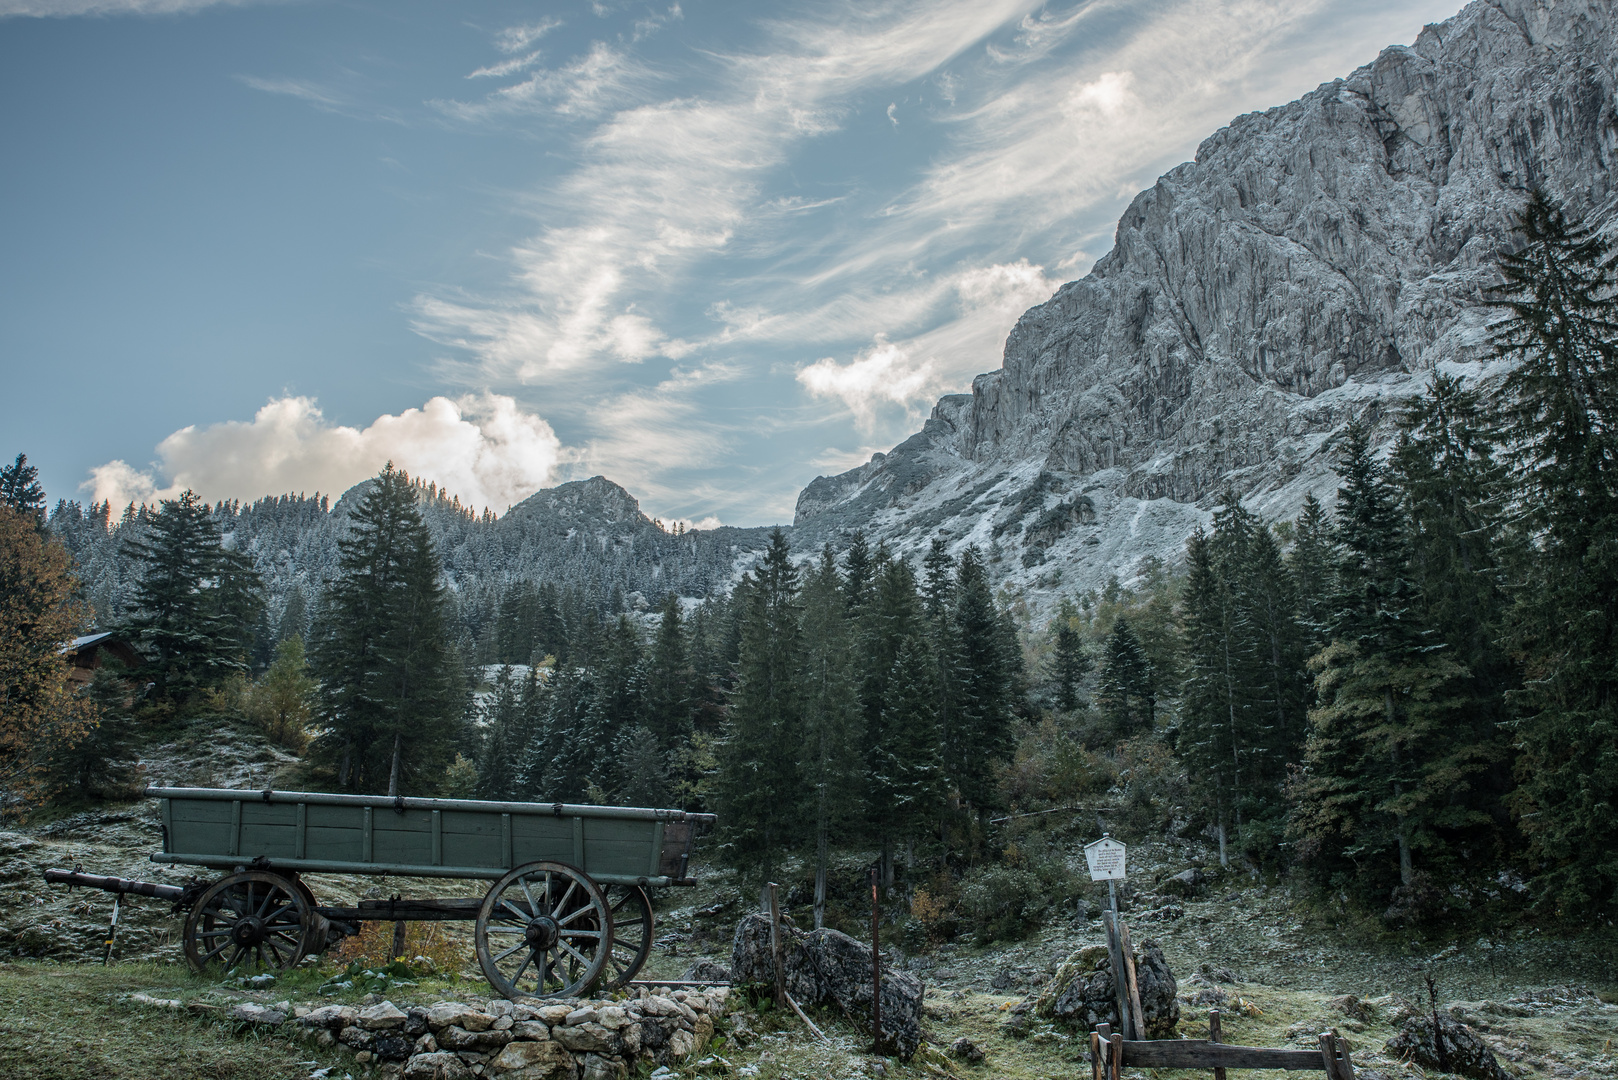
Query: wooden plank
658,828
301,849
506,853
168,822
1120,982
438,838
1137,1014
578,843
367,836
1116,1056
1194,1054
236,827
1095,1056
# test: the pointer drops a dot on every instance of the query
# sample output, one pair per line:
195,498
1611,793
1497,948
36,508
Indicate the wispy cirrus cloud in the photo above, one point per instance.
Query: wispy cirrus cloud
62,9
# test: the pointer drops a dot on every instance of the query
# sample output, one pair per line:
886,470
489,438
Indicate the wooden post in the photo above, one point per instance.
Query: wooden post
775,949
1095,1056
1120,980
398,941
1213,1036
1117,1062
1103,1051
876,970
1138,1013
1337,1068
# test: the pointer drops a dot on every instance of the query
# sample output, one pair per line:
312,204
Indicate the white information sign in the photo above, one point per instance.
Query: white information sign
1106,859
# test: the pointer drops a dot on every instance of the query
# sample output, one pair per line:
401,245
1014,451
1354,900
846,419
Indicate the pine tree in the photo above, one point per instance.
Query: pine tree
859,571
891,622
1209,735
1559,413
831,719
502,721
760,784
1311,563
390,694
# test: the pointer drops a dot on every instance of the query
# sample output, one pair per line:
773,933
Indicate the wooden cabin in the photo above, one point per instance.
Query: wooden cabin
87,653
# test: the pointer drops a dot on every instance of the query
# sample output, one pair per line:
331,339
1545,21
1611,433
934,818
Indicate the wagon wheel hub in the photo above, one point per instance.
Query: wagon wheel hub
248,931
542,933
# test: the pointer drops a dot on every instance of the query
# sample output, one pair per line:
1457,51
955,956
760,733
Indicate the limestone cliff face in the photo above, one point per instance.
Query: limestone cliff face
1312,262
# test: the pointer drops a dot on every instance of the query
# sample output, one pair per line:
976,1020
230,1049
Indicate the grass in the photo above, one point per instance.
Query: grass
67,1022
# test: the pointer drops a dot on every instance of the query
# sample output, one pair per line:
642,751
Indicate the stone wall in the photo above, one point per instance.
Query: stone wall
566,1039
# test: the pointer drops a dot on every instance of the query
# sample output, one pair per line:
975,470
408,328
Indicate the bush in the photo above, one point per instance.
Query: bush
1001,902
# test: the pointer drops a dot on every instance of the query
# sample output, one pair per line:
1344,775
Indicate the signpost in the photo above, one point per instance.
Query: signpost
1106,860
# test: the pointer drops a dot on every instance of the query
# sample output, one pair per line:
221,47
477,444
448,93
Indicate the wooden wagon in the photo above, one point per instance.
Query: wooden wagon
567,910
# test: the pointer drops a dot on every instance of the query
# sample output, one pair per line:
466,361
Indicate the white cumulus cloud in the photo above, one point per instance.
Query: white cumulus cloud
883,374
482,447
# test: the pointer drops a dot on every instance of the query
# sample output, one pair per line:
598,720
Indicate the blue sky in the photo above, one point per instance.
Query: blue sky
710,250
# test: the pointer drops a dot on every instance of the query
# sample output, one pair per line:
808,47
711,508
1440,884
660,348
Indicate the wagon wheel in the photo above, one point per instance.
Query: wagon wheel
544,930
631,934
255,916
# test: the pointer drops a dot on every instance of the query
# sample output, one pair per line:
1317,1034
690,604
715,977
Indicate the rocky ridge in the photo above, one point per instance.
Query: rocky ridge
1314,263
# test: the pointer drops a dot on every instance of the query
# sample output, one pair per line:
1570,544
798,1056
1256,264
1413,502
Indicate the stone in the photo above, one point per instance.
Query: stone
356,1038
1353,1008
827,967
330,1016
706,971
458,1038
437,1066
391,1047
581,1016
1185,884
555,1014
1464,1053
681,1045
257,1014
585,1038
415,1021
536,1060
530,1029
381,1017
1083,993
454,1014
966,1050
596,1067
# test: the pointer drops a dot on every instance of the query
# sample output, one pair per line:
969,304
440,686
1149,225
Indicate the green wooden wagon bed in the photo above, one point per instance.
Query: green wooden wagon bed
567,909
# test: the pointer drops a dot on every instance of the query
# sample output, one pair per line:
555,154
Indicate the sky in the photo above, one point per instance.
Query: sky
708,250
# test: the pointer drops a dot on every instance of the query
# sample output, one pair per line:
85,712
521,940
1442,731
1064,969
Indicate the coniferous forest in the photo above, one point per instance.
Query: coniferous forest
1403,696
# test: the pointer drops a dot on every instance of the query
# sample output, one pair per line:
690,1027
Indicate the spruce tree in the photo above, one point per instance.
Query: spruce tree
1126,688
1311,563
859,571
831,719
1070,663
1559,414
1374,788
502,722
1209,732
20,490
978,736
669,681
760,784
390,695
197,608
893,621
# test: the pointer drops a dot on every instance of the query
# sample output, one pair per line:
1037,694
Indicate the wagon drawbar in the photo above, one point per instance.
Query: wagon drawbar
567,910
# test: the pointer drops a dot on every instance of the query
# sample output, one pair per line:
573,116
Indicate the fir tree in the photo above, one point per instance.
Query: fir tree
760,784
390,695
1374,787
1069,663
892,621
502,719
859,572
1559,413
197,608
831,719
1126,689
978,736
1310,563
20,490
669,681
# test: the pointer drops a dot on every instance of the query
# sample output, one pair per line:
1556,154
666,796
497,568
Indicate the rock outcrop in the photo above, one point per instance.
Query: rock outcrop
1314,263
829,968
1082,993
1461,1053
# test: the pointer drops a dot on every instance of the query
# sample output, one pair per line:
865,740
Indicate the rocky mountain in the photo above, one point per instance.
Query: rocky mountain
1314,263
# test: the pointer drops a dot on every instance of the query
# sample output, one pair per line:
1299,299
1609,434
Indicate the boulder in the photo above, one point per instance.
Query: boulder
1464,1054
1082,992
827,967
257,1014
1186,883
538,1060
966,1050
381,1017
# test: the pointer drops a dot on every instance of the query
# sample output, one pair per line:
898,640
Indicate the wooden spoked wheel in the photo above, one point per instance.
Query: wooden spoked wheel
544,930
255,918
631,934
